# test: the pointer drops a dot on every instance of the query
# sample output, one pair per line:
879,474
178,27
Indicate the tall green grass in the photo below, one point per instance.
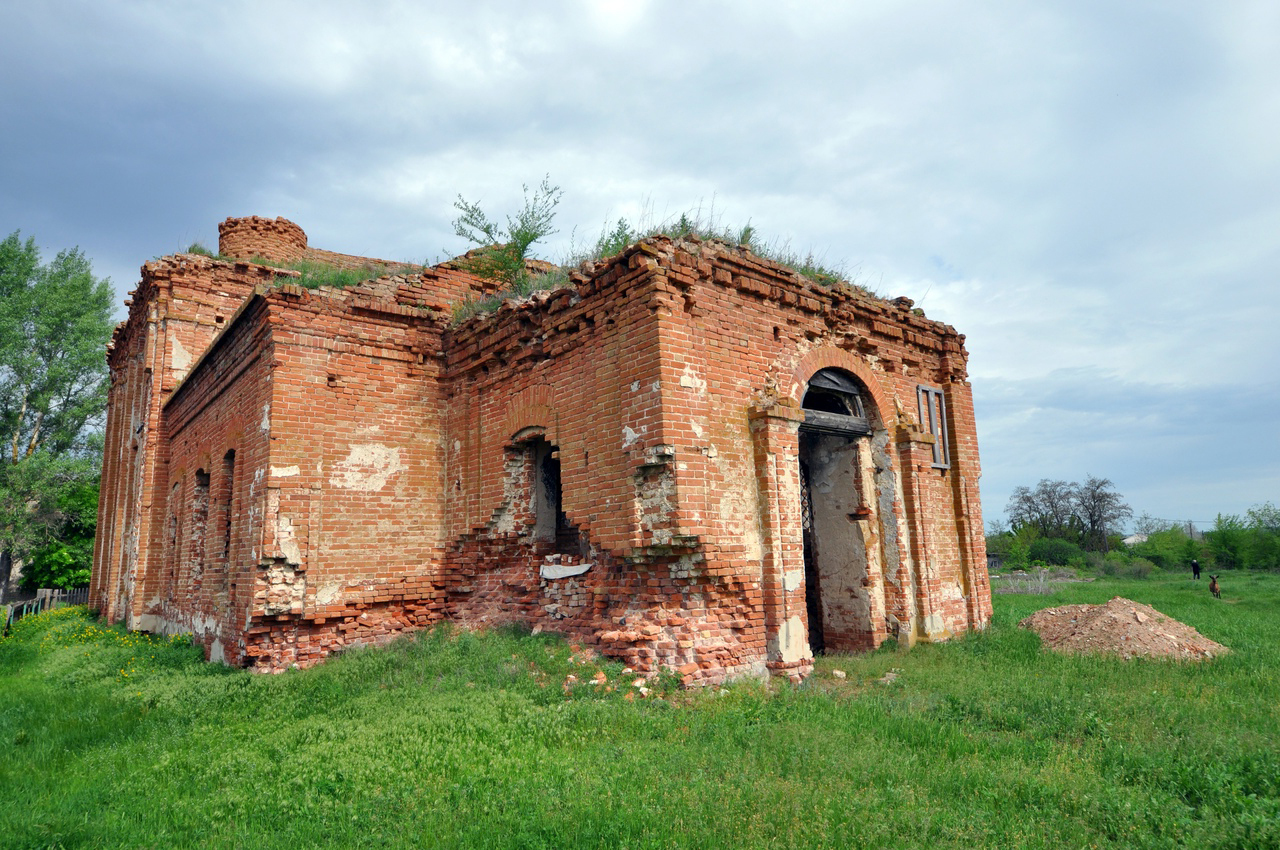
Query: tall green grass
458,739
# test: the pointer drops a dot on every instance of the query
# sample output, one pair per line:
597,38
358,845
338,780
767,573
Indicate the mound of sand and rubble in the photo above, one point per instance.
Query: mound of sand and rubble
1121,627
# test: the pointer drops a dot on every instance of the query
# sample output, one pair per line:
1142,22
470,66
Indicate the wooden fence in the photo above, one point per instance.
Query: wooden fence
46,599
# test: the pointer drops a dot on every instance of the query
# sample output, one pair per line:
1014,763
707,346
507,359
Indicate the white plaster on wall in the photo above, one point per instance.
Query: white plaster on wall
630,436
328,593
792,643
180,358
265,424
286,541
792,579
367,468
284,471
690,379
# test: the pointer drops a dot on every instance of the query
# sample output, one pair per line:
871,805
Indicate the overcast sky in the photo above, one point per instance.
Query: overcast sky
1089,190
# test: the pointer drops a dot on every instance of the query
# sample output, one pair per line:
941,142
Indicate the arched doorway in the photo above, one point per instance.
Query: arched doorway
552,529
838,511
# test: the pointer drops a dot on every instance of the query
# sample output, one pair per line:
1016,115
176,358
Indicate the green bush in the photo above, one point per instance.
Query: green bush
1139,568
1055,551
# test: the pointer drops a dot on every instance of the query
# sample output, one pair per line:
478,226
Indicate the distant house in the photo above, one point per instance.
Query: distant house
689,457
1135,539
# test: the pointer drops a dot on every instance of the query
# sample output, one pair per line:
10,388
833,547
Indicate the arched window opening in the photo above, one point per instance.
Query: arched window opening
833,404
228,495
199,526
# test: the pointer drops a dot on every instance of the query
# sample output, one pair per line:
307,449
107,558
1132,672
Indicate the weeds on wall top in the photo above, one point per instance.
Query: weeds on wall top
314,274
504,259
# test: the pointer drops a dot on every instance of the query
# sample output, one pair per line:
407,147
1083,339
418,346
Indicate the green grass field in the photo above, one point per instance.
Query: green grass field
459,740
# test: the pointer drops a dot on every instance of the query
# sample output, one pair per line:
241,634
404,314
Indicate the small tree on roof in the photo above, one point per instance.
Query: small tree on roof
504,250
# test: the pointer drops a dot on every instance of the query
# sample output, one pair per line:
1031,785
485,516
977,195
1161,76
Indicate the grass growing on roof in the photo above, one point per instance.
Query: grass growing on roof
463,739
314,274
708,224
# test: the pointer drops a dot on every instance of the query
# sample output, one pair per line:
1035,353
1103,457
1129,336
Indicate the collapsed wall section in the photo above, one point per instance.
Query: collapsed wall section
579,372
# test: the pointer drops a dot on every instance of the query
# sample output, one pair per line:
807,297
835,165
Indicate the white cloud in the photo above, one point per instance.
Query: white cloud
1090,192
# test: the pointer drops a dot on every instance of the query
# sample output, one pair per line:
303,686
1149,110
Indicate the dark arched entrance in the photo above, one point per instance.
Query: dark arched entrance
837,508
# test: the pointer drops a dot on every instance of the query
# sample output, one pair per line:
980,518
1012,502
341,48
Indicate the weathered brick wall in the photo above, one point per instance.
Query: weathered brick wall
269,238
390,471
181,304
208,513
355,513
644,377
584,369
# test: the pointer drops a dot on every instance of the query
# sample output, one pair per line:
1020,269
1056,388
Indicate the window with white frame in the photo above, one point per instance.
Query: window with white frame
933,417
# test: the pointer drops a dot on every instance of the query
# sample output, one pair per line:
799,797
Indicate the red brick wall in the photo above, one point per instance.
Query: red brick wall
254,236
202,578
385,477
355,482
182,303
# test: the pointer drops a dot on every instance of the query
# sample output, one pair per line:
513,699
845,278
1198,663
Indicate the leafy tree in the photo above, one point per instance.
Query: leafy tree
1227,541
66,560
505,249
1100,509
55,321
1147,524
1049,508
1264,536
1248,542
1168,549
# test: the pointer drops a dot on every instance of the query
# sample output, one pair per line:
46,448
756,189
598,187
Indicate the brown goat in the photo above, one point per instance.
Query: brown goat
1213,587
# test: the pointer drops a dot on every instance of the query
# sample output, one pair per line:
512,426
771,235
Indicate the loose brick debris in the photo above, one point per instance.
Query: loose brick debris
1120,627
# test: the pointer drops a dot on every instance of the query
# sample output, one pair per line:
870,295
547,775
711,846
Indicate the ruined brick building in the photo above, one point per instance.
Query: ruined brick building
690,456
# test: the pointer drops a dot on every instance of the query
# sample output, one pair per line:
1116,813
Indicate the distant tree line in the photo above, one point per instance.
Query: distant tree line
1065,523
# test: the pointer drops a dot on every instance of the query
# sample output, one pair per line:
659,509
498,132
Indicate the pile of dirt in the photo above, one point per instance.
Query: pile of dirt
1121,627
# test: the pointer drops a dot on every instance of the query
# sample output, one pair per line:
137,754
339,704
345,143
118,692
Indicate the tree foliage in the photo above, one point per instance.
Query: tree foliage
1048,508
1084,514
55,321
1248,542
1099,510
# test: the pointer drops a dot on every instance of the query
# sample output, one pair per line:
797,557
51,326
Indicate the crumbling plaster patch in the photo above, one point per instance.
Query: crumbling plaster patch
368,467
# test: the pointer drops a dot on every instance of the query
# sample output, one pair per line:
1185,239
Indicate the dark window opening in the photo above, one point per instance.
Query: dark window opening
173,556
199,525
551,525
228,493
833,404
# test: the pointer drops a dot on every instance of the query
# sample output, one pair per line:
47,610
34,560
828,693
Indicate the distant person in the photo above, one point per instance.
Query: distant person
1195,569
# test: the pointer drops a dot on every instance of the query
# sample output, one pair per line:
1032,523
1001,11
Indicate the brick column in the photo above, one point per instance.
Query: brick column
915,453
775,439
